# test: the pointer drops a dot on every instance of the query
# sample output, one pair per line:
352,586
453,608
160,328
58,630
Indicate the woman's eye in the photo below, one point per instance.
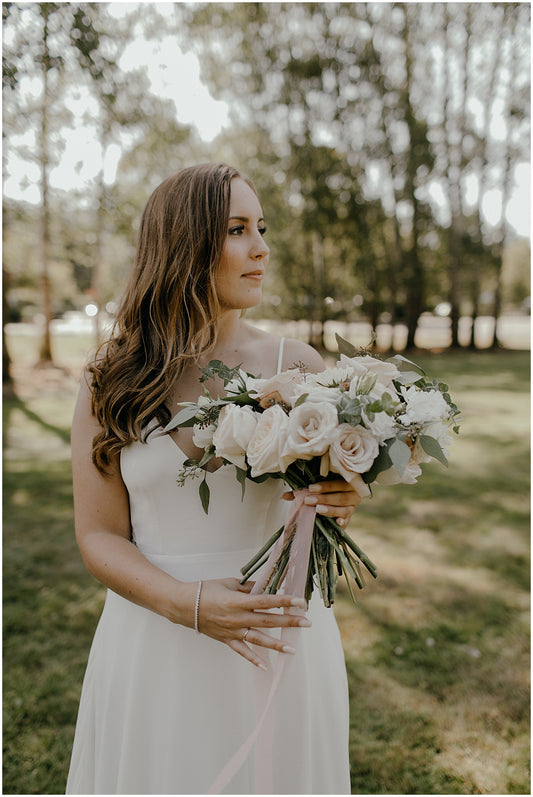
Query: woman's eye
236,230
262,230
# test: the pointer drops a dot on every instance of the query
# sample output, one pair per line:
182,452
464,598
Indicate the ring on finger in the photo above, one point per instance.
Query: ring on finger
245,634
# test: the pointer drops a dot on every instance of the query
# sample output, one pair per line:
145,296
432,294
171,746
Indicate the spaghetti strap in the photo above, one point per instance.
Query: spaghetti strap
280,354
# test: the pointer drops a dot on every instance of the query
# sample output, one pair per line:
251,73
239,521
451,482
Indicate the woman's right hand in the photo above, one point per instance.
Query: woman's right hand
227,613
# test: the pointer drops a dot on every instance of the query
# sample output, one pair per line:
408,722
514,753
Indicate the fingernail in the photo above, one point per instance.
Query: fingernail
314,488
311,500
288,649
299,603
341,521
321,508
305,623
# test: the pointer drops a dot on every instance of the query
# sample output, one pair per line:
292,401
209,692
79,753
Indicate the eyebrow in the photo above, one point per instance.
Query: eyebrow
244,218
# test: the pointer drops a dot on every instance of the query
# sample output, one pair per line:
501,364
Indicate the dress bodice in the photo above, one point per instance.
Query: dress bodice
169,519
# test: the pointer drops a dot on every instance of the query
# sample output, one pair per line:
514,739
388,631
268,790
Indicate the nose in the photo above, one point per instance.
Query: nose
260,249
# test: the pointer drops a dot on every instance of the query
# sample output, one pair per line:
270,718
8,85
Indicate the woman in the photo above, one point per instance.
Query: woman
163,708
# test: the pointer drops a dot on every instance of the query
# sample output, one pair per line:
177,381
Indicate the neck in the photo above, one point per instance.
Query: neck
229,327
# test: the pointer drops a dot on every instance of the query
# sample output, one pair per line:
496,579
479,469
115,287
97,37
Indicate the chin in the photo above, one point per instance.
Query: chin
242,303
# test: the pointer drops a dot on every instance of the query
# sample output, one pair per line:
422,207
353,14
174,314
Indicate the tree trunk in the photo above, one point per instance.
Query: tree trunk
8,384
316,337
45,354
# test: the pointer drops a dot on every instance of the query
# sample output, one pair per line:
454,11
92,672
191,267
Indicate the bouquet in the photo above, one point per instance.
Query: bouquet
367,420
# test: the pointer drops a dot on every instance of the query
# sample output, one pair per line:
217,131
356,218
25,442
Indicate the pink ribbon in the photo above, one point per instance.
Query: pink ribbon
299,526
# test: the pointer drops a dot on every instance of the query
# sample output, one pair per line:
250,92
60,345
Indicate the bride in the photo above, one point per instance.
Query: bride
183,652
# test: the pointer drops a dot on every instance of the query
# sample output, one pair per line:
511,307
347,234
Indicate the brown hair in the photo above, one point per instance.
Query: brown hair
169,310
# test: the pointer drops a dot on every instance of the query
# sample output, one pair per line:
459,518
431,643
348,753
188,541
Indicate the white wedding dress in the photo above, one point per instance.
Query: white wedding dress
164,709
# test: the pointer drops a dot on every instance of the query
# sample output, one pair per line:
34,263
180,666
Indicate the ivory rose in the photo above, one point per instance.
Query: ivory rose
264,449
236,425
309,432
352,451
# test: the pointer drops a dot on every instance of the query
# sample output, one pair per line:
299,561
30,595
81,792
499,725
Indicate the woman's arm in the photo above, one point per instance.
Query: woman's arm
102,520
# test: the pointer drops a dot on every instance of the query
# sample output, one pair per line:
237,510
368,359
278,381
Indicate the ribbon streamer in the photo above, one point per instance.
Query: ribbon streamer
299,529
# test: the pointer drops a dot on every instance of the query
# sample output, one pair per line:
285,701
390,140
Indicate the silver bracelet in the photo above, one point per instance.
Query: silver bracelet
197,608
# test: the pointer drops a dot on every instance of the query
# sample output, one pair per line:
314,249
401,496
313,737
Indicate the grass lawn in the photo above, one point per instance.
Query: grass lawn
437,648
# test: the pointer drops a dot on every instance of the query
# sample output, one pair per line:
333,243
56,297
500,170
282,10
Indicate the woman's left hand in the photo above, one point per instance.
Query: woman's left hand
335,498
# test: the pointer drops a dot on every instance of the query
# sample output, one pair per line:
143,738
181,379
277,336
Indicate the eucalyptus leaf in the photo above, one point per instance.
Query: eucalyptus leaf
349,410
238,398
433,448
400,454
388,403
407,377
205,494
382,462
402,363
209,453
241,478
345,347
185,417
301,399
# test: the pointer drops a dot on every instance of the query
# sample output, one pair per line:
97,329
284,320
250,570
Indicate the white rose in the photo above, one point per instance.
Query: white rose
391,476
264,449
353,449
236,425
423,406
310,429
202,436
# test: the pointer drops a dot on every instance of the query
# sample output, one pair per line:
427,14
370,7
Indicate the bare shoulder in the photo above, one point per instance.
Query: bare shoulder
296,351
264,348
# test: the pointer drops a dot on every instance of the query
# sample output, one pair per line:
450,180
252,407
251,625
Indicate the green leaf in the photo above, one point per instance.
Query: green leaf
238,398
382,462
388,403
209,453
433,448
300,399
241,478
345,347
400,454
204,495
185,417
403,364
349,410
407,377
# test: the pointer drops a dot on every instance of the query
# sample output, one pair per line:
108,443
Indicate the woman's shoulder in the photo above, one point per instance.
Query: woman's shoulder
296,352
293,351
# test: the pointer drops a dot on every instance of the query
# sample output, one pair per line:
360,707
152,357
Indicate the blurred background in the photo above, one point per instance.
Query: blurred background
390,146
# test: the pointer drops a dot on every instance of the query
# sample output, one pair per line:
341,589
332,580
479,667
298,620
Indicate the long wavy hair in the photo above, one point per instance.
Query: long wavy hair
168,313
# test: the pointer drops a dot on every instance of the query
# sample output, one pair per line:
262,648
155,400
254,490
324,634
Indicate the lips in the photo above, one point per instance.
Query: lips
257,274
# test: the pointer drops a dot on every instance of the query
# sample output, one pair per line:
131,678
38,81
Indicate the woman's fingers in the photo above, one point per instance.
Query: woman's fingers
229,615
335,498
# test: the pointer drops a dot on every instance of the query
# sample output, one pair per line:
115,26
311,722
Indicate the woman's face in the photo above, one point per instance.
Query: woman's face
239,277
